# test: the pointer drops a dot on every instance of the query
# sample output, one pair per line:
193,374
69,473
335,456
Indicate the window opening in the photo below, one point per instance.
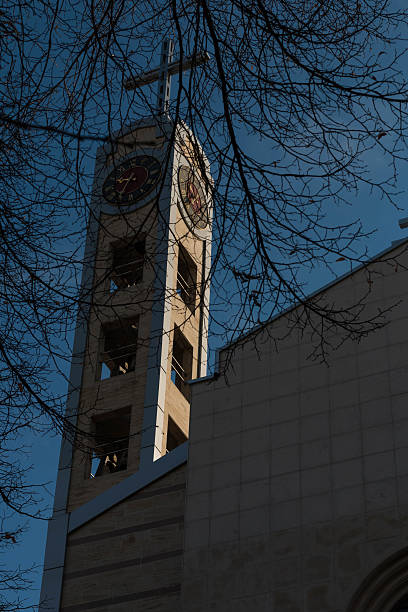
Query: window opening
105,371
175,436
186,278
181,363
127,265
119,344
111,442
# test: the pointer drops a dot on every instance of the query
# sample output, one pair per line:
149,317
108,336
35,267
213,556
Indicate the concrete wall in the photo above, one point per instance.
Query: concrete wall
129,557
298,472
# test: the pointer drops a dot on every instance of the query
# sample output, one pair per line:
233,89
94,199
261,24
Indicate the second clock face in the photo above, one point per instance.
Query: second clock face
193,197
132,180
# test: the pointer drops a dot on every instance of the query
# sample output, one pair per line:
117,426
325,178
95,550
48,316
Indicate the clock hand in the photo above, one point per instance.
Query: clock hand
125,180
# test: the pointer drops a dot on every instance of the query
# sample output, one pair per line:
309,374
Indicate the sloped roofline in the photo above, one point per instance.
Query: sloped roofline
394,246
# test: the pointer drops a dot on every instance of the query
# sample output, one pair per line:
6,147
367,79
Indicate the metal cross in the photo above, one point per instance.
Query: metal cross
164,72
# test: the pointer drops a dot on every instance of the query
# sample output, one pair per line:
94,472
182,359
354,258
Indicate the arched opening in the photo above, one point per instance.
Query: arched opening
386,588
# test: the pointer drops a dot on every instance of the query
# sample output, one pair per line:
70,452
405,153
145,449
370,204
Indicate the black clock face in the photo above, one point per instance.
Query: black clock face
132,180
192,196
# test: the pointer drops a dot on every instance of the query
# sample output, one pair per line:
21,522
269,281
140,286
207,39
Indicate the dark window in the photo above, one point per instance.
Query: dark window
118,351
111,442
175,436
127,264
186,278
181,363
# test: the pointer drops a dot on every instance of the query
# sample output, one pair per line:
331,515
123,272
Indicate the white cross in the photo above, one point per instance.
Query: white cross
164,72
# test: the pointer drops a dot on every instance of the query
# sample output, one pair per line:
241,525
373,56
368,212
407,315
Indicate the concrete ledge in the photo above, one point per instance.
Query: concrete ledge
128,487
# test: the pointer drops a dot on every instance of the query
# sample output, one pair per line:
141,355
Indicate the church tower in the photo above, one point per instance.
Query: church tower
116,534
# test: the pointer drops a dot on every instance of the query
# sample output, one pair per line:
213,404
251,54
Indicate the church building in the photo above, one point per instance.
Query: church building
280,487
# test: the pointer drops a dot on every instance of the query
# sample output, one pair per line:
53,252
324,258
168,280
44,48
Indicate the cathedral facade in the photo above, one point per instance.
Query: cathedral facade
297,476
279,484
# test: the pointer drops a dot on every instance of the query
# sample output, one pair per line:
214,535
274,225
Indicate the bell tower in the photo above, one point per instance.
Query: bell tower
115,537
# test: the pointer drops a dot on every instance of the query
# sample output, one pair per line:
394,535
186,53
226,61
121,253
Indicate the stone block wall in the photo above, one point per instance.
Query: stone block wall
129,558
298,472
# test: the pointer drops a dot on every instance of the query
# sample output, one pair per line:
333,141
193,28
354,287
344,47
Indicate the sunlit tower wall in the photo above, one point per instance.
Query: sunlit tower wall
116,532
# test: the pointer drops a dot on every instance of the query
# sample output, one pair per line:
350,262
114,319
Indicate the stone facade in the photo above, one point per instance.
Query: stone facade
295,494
130,555
298,472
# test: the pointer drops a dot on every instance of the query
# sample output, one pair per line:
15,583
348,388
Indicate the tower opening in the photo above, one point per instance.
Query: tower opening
119,345
127,264
186,278
111,442
175,436
181,363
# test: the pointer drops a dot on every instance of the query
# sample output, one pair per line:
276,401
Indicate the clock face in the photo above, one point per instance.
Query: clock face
132,180
192,196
